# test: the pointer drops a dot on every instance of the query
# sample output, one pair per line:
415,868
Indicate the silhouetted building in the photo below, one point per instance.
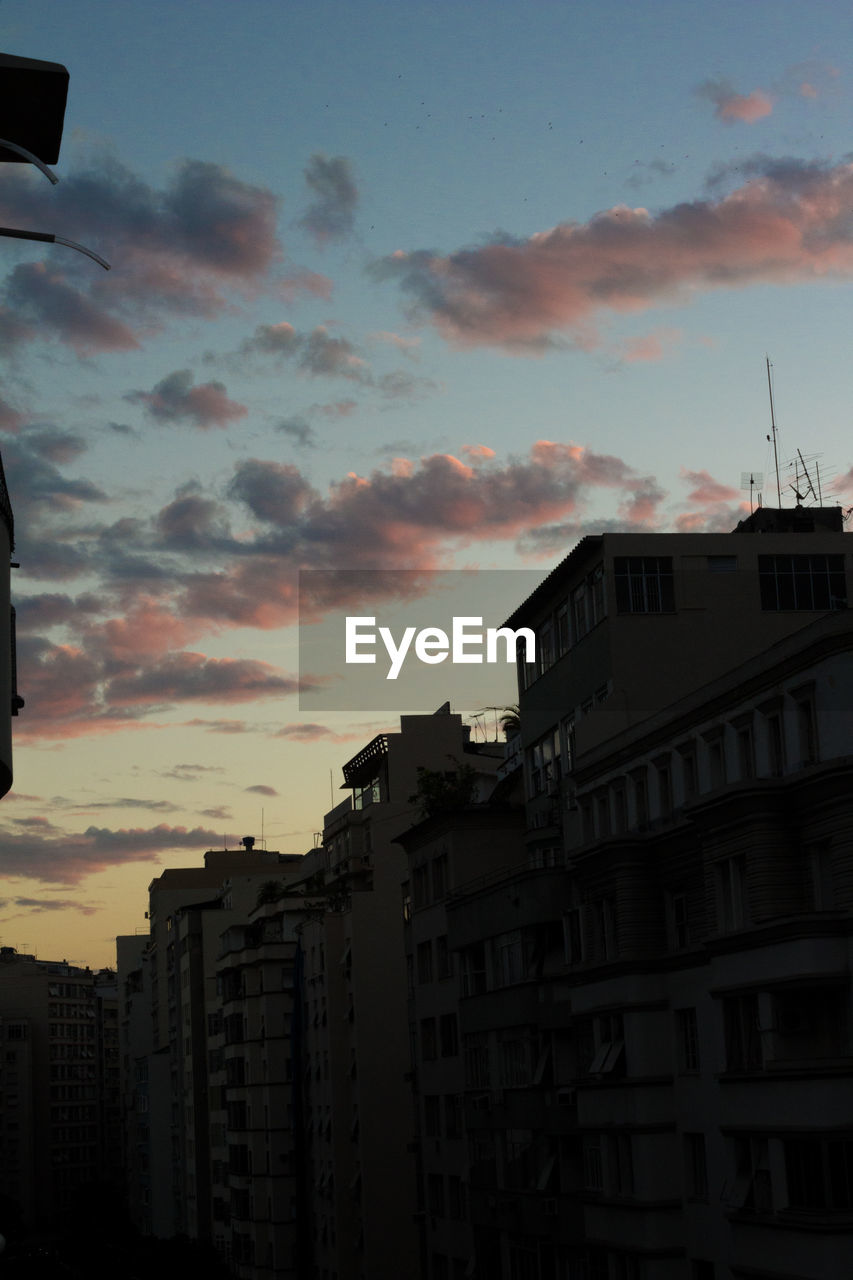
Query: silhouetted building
656,1024
58,1101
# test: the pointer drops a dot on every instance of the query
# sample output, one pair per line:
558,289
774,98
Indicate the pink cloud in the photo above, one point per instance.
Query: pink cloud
729,105
477,453
650,347
706,490
787,225
175,399
300,282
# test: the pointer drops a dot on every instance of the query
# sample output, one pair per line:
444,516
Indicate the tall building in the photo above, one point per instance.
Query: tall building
471,830
58,1092
172,1024
359,1110
657,1024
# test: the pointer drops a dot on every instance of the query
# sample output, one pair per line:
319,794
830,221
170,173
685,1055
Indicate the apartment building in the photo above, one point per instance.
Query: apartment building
460,842
359,1115
57,1099
656,1025
255,1078
172,1037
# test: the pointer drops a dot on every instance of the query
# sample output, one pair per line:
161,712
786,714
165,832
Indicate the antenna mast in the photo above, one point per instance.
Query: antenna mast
773,428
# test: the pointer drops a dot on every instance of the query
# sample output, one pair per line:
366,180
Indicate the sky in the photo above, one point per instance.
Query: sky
434,286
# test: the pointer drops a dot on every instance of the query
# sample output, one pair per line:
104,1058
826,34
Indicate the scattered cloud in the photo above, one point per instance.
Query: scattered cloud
35,905
315,353
331,215
789,224
299,430
715,507
260,789
650,347
67,857
183,249
175,399
731,106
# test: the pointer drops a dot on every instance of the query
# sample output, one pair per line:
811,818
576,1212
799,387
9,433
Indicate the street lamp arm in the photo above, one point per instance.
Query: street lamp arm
16,233
33,159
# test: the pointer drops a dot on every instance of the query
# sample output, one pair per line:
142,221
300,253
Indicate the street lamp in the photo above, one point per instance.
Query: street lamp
33,94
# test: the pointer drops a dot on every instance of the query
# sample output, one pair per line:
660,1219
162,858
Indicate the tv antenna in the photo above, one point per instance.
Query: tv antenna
773,429
752,480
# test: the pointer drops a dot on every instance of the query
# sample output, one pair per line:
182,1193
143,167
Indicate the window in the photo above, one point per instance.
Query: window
775,743
695,1166
663,770
439,877
604,917
593,1166
610,1045
802,582
561,630
509,958
567,737
811,1023
544,646
678,921
472,970
421,885
806,727
443,959
745,752
620,808
453,1127
602,813
819,1173
643,584
428,1039
573,936
687,1040
731,893
456,1198
752,1190
716,750
477,1072
515,1062
743,1039
587,603
641,798
722,564
448,1035
543,763
435,1194
620,1164
689,773
424,962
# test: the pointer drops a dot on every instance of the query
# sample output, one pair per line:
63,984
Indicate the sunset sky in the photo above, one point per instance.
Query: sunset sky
393,286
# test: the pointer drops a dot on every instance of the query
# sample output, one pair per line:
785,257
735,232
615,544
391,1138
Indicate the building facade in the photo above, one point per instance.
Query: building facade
659,1046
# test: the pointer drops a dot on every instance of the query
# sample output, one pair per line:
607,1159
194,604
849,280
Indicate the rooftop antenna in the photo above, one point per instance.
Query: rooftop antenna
811,488
773,428
752,480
